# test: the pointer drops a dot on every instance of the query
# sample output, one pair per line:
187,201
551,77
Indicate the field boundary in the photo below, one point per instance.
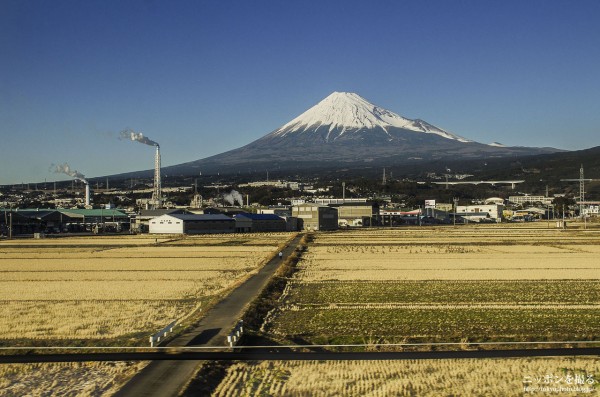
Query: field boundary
299,356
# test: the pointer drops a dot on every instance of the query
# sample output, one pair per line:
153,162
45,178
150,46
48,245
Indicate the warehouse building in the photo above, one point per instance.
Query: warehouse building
192,224
479,213
363,213
279,211
259,223
27,221
313,216
141,222
524,200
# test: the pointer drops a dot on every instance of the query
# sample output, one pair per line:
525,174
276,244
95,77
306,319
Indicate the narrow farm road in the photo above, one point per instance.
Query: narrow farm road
167,378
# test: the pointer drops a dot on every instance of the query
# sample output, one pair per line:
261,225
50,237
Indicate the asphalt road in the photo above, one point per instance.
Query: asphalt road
192,358
167,377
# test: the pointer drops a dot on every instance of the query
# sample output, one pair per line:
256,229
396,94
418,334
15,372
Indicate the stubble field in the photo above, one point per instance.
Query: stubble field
451,377
105,291
462,285
443,285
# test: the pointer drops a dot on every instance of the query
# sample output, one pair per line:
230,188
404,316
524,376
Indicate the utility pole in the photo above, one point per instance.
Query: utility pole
343,192
455,200
10,226
384,180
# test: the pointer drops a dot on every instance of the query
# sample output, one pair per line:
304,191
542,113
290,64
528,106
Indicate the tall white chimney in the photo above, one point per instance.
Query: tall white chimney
157,194
87,193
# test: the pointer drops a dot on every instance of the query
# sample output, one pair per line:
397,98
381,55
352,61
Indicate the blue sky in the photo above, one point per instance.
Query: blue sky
203,77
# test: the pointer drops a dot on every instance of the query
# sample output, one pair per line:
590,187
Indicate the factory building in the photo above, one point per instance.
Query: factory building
520,200
28,221
313,216
191,224
329,201
481,213
279,211
141,222
245,223
360,213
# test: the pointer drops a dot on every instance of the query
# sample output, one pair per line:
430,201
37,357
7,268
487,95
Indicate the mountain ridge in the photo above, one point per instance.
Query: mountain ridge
345,130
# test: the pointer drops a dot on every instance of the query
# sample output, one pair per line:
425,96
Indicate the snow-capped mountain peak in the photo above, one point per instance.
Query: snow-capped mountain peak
341,112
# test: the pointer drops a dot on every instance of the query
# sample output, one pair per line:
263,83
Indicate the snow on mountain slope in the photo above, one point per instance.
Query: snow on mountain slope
344,111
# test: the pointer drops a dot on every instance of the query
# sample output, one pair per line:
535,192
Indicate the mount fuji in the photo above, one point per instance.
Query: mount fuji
344,129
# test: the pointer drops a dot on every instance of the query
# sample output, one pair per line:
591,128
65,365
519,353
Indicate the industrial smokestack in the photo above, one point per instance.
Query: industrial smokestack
157,194
87,194
67,170
131,135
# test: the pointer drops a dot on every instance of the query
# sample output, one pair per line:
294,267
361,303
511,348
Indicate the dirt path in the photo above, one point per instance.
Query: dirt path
167,378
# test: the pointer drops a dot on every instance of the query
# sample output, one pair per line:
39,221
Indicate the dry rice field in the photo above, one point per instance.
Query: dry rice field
443,285
65,379
425,285
117,290
451,377
99,291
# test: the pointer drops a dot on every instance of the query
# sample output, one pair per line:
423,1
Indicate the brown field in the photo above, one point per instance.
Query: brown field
65,379
117,290
451,377
99,291
400,285
470,284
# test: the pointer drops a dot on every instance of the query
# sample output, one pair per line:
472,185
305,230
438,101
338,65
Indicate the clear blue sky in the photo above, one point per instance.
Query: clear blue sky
203,77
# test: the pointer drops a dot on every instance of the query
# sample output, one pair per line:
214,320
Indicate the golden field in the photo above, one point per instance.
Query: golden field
99,291
65,379
493,283
422,285
117,290
447,377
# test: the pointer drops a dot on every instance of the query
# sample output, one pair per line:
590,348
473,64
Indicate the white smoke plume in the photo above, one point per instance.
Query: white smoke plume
232,197
67,170
131,135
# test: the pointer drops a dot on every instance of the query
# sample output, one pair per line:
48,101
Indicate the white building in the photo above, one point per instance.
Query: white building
591,210
477,213
520,200
191,224
328,201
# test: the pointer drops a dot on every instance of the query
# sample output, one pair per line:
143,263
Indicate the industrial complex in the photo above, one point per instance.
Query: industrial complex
150,208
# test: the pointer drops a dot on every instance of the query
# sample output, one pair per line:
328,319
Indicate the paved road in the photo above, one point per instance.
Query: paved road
193,357
167,378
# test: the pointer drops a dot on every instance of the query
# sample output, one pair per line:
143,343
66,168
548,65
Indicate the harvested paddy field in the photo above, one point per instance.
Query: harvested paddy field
105,291
65,379
443,285
380,289
117,291
451,377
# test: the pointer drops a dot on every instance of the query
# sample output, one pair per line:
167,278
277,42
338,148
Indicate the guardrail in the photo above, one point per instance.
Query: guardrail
162,333
235,335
